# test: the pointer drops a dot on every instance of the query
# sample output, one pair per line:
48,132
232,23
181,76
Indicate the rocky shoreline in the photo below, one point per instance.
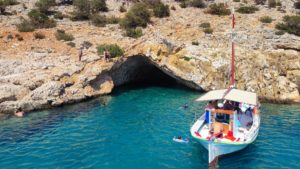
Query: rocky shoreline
39,74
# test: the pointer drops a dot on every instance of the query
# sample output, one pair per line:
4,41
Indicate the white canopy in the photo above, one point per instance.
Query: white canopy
232,95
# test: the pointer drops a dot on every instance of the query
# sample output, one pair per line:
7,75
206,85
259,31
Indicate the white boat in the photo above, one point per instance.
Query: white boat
221,135
231,120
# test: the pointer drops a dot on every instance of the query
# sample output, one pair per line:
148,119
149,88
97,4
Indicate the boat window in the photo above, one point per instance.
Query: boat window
222,118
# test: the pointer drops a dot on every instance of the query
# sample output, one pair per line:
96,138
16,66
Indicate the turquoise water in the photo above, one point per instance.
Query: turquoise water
133,129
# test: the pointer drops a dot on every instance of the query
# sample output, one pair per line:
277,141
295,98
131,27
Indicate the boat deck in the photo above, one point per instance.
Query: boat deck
246,123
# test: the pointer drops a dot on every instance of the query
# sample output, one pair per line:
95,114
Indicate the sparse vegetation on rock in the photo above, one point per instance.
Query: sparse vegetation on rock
247,9
134,32
196,43
197,3
82,10
87,44
71,44
5,3
183,4
208,30
113,49
218,9
161,10
41,20
62,35
266,19
137,16
122,9
260,2
205,25
290,25
58,15
280,32
25,26
98,20
39,35
98,5
272,3
44,5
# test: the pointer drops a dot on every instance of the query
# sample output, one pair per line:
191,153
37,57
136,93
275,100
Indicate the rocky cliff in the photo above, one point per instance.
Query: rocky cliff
41,73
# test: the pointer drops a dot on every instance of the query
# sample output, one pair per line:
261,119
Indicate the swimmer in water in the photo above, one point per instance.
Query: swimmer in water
185,106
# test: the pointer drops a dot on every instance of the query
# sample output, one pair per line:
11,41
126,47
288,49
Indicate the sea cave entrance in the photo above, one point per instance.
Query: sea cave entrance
139,71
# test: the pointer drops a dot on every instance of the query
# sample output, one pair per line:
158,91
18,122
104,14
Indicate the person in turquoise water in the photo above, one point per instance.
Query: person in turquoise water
19,113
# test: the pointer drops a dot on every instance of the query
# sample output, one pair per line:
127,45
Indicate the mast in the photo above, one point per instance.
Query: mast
232,49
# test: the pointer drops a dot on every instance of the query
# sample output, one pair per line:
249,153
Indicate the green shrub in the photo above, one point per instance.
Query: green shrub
173,8
98,20
138,15
39,35
236,0
71,44
297,4
44,5
62,35
113,49
247,9
183,4
41,20
260,2
218,9
10,2
112,20
197,3
281,32
291,25
122,8
134,32
278,3
2,7
266,19
205,25
208,30
58,15
82,10
195,43
186,58
98,5
25,26
161,10
272,3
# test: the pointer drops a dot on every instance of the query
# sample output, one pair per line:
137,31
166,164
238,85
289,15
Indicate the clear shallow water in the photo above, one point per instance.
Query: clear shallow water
133,129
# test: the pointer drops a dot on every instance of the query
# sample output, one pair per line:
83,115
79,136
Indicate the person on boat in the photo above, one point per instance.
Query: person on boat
228,105
215,104
19,113
210,106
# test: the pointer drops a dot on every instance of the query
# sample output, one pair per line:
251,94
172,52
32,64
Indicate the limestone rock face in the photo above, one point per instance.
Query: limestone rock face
37,74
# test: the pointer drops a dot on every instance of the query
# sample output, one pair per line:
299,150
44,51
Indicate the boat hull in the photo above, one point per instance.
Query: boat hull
223,148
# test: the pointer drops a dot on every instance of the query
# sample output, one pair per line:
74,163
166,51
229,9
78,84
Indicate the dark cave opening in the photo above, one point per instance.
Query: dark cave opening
140,72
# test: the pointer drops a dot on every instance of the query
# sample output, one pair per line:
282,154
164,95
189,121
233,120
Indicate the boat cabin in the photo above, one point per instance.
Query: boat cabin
229,115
